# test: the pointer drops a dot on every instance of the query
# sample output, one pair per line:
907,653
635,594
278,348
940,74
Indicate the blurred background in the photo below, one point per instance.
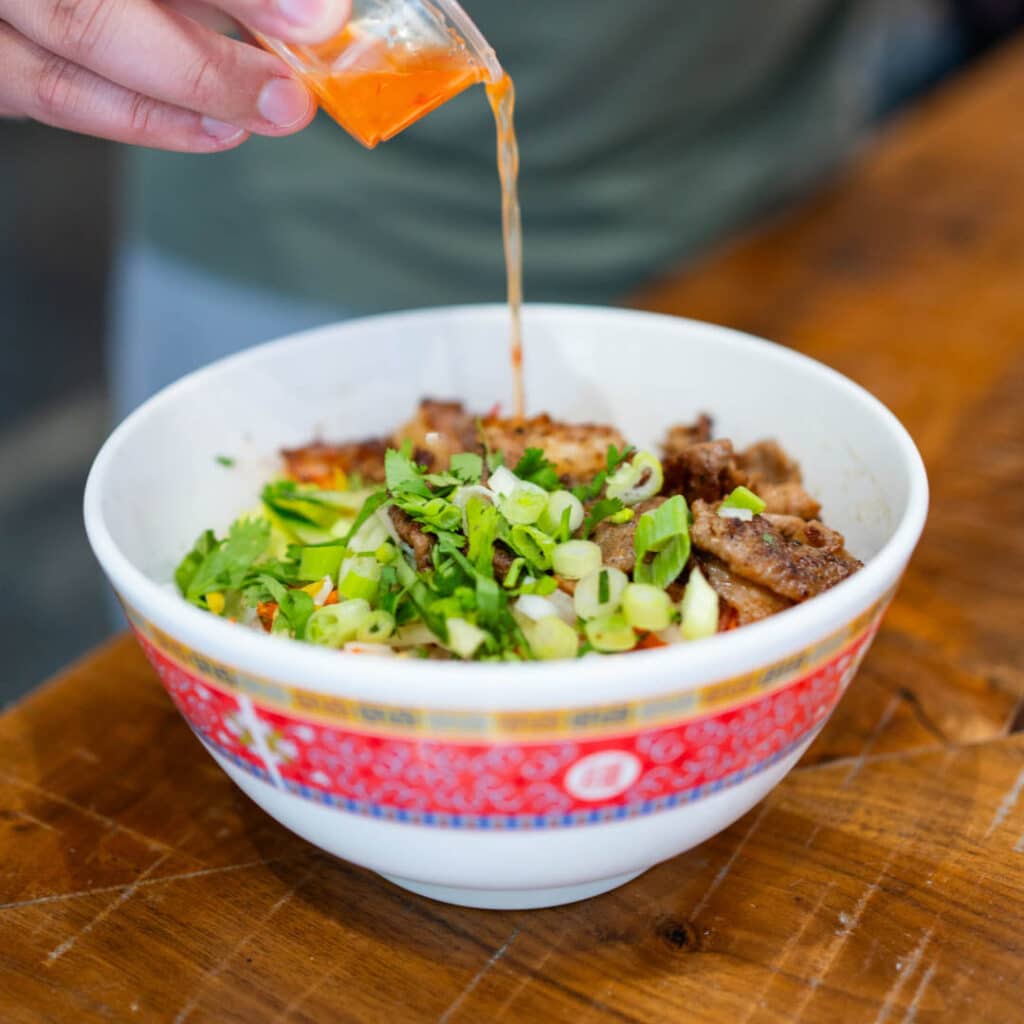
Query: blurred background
58,221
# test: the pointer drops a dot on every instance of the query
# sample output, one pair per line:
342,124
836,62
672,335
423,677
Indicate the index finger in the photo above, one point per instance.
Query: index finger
156,51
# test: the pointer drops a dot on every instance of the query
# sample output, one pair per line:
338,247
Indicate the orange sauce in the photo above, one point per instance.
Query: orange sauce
502,96
376,91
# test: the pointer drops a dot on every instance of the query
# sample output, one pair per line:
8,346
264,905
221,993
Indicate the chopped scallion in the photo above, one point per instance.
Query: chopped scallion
646,607
524,505
317,562
376,628
551,639
534,545
610,634
575,559
743,515
743,497
587,596
664,532
464,639
699,608
335,625
560,504
360,578
636,481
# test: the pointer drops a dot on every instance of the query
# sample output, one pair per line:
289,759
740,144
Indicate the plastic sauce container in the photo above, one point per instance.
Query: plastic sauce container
394,62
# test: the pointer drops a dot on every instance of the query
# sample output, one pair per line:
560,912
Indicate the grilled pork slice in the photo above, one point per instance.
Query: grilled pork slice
683,435
775,478
578,450
438,431
812,532
616,540
320,463
788,499
766,462
771,555
748,601
412,536
705,471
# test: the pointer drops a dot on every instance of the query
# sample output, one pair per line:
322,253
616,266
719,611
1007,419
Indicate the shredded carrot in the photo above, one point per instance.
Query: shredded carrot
728,618
650,642
267,611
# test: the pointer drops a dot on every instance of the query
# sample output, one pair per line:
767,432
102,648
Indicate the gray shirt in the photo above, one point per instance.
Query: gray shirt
647,128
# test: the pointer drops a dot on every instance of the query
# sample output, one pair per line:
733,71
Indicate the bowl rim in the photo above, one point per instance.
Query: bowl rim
788,630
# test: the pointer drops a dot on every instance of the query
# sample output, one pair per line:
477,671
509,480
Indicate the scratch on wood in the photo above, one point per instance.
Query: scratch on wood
154,844
911,1015
554,945
883,720
141,883
904,973
55,954
479,976
35,821
784,954
1007,804
295,1003
193,1001
849,925
1018,847
814,835
724,870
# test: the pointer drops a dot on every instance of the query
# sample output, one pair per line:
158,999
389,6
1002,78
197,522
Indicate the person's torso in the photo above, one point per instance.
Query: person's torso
646,129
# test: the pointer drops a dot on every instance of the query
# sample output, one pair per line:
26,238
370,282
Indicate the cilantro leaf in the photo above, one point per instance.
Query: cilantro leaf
467,466
535,468
226,565
189,565
601,510
484,525
614,457
432,513
403,475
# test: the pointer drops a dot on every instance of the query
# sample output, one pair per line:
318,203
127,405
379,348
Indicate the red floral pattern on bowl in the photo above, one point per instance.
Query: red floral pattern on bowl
509,784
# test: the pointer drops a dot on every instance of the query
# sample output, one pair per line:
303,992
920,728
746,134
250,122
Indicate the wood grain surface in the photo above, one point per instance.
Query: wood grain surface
883,881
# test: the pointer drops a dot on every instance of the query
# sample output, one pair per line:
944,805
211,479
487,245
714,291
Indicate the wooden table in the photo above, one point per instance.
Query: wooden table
883,881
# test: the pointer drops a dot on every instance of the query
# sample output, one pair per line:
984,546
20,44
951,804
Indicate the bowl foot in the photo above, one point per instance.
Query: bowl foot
513,899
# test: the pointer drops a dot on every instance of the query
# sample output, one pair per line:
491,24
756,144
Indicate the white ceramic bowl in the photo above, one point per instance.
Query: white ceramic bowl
502,785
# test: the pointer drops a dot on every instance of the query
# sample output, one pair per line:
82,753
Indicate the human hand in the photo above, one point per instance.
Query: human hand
158,72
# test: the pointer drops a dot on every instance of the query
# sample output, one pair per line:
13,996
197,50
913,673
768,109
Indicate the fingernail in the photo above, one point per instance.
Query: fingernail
304,13
220,130
284,102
